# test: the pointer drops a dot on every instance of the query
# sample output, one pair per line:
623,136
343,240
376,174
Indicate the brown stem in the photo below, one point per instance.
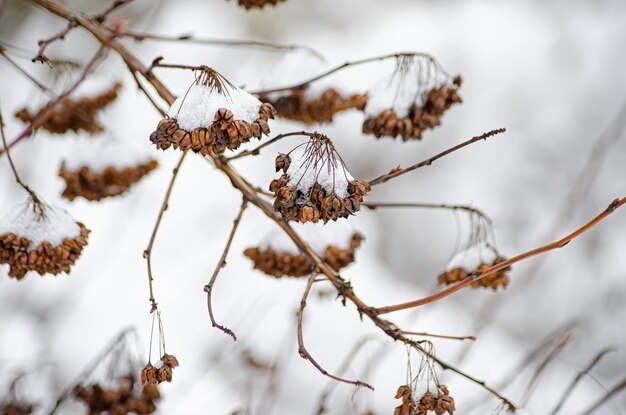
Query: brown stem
147,253
466,208
117,4
147,94
257,150
46,112
578,378
439,336
304,353
218,267
478,275
605,398
343,66
192,39
43,43
249,192
398,171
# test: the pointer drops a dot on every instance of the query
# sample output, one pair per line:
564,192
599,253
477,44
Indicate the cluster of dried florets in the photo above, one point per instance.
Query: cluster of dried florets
39,237
96,185
278,263
121,400
16,408
439,403
211,117
411,100
258,4
160,372
76,114
302,106
474,260
316,184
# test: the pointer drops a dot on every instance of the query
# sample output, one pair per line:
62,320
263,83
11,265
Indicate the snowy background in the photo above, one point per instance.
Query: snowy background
553,73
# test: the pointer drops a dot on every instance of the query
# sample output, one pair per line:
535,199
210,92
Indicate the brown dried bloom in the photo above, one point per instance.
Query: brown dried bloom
473,260
122,399
97,185
211,117
75,114
258,4
16,408
411,100
38,237
298,105
279,263
162,371
316,184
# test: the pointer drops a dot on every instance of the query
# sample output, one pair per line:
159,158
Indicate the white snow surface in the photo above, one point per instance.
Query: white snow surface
398,92
471,258
305,171
317,235
24,220
102,151
197,107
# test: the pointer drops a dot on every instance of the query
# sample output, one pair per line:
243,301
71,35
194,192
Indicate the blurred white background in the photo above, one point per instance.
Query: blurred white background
553,73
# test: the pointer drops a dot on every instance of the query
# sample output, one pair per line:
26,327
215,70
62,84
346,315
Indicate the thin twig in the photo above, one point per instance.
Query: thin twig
558,348
21,70
419,205
439,336
303,352
398,171
44,43
479,275
117,4
605,398
147,253
147,94
221,264
192,39
578,378
343,66
46,112
257,150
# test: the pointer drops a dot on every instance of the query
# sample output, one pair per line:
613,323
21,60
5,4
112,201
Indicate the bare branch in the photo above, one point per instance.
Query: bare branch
256,151
606,397
117,4
440,336
398,171
303,352
44,43
478,275
221,264
24,72
420,205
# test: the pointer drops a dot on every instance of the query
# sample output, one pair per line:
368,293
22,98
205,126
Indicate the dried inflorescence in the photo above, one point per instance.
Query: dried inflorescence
41,238
474,260
121,400
16,408
426,115
278,264
440,404
160,372
258,4
321,109
316,184
211,117
97,185
75,114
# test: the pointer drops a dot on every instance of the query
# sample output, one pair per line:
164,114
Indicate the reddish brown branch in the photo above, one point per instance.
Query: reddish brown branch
257,150
24,72
478,275
304,353
221,264
398,171
44,43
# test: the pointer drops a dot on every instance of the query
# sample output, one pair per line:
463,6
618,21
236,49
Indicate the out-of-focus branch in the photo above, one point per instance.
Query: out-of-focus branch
221,264
420,205
398,171
117,4
606,397
304,353
478,275
44,43
21,70
439,336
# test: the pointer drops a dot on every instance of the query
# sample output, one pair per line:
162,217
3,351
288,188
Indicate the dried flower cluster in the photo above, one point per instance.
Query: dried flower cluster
297,106
258,4
16,408
316,184
41,238
493,281
437,101
281,263
160,372
97,185
122,400
440,404
76,114
211,117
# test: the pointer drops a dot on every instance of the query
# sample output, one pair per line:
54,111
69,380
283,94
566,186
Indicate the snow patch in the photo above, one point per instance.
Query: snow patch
471,258
24,220
307,169
197,108
317,235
